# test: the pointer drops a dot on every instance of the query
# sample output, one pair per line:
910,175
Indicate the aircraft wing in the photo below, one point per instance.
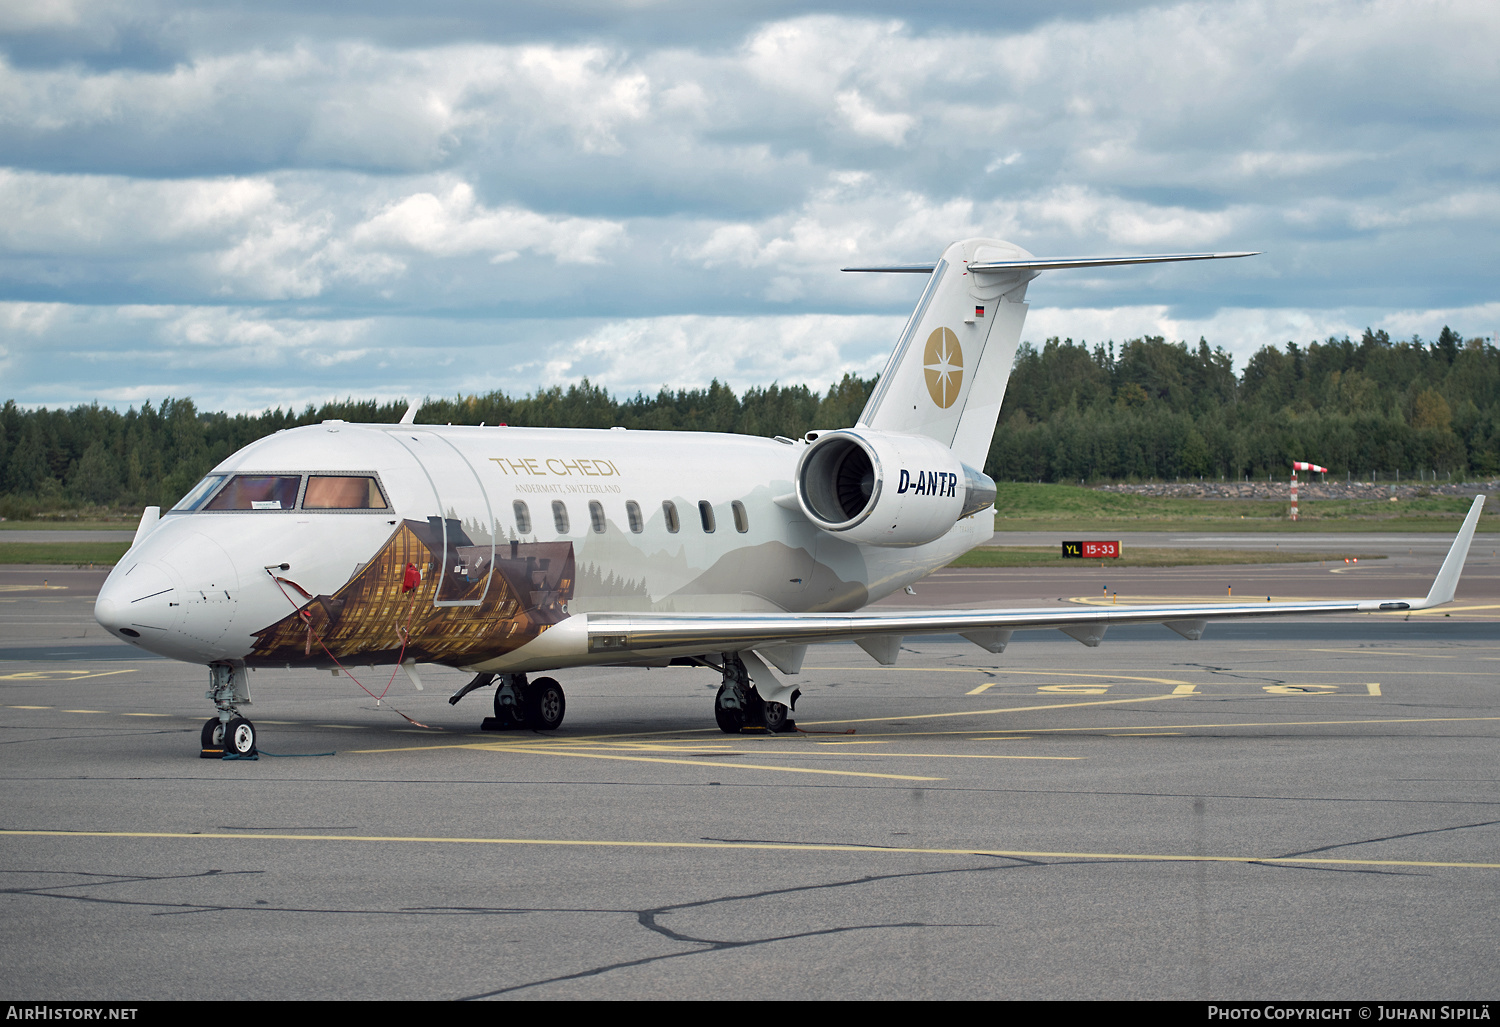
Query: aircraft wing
880,632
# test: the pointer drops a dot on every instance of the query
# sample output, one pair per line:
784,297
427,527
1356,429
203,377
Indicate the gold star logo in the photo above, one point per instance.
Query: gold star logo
944,364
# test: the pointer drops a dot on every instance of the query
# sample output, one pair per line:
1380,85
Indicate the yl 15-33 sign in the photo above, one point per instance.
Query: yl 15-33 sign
1091,550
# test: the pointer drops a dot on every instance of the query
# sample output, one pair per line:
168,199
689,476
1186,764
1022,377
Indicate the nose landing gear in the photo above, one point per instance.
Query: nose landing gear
229,735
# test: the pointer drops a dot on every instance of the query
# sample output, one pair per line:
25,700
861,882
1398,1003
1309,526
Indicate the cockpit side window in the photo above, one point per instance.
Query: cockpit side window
258,492
198,494
342,492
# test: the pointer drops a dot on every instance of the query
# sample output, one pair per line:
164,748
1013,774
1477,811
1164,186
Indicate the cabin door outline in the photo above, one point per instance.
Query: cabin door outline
462,493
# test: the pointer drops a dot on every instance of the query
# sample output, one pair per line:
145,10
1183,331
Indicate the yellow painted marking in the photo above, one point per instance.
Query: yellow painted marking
1145,734
1153,600
1301,689
1185,690
974,756
996,738
1376,652
1073,689
1373,687
31,707
1198,727
341,727
61,675
861,741
982,688
981,713
1023,673
1453,609
145,714
560,751
602,843
33,588
83,711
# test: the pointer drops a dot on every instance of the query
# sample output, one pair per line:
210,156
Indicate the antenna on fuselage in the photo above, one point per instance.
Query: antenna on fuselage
410,417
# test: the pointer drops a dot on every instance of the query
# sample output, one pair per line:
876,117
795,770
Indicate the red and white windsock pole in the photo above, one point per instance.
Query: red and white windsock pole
1302,465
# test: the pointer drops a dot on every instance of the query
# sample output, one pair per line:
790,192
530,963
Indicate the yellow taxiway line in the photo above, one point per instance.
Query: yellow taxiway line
602,843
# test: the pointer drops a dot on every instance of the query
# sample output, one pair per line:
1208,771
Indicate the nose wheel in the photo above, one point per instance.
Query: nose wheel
239,738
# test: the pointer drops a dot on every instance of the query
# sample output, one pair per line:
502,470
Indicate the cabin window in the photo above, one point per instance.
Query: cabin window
596,516
342,492
523,517
258,492
741,519
633,515
669,514
560,516
199,493
706,515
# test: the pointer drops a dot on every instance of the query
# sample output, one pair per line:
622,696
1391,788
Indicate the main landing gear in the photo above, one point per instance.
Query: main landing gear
739,707
519,703
229,735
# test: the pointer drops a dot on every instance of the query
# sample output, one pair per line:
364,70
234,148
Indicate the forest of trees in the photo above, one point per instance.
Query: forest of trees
1147,409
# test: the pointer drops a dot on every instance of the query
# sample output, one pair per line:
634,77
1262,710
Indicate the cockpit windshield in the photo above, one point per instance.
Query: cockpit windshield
198,494
258,492
280,492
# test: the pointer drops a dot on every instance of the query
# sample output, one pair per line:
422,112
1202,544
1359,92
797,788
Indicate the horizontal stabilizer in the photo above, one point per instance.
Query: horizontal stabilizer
1061,263
1056,263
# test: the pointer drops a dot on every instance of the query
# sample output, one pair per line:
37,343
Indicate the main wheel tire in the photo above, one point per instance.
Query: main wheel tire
239,738
212,737
776,717
730,720
545,705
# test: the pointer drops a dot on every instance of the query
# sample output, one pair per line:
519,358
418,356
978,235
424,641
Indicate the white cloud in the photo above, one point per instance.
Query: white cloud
632,182
455,224
691,351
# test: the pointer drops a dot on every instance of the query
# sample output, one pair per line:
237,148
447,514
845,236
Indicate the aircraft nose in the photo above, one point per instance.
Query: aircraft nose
137,600
174,595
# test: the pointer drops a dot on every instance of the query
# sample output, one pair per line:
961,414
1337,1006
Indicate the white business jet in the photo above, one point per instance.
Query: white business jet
506,552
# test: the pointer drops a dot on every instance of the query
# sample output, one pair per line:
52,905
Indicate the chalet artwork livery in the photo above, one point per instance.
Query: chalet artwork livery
470,603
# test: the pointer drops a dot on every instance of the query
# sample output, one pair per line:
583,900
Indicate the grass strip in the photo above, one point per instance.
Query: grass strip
1021,507
60,525
100,554
1141,556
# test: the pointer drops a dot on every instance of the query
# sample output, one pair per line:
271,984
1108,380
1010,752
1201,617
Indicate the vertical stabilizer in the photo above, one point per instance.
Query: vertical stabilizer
946,378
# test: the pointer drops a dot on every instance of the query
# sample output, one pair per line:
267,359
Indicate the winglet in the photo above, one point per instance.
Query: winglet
1446,582
410,417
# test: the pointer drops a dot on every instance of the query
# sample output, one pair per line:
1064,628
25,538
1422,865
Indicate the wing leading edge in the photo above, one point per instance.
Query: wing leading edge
623,637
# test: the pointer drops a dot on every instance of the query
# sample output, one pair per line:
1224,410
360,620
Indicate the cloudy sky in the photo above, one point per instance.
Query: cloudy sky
266,203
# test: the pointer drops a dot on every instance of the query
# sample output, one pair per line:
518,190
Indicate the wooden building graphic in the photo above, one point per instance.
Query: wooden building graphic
471,603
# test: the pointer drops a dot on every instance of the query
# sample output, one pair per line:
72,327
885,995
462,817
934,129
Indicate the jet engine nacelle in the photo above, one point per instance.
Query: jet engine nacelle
887,489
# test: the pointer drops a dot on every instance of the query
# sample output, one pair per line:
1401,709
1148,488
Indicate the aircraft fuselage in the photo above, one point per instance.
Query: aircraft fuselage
506,531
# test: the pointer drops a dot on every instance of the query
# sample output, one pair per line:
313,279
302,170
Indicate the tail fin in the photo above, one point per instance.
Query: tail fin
946,378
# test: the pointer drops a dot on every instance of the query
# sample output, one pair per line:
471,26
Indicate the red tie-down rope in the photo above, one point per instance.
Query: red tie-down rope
409,582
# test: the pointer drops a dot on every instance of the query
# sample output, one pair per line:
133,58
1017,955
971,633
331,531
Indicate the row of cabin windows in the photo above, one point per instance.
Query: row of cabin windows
598,522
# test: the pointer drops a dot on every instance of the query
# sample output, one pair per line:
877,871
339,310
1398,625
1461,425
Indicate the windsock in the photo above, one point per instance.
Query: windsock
1302,465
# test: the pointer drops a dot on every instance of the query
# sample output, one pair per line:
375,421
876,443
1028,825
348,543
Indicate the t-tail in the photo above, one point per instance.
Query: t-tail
946,378
910,468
